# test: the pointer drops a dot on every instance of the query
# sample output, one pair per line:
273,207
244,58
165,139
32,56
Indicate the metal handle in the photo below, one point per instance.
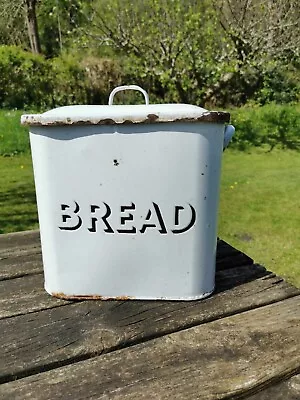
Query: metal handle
229,132
127,87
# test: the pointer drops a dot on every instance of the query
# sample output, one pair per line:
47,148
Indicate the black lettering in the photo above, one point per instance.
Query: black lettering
93,228
129,217
177,209
108,229
94,220
163,229
66,217
190,224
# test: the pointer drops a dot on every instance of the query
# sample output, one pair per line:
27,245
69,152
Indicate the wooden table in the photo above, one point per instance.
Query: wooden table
242,342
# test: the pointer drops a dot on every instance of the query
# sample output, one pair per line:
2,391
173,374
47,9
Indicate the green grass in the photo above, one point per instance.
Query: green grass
260,208
17,194
13,137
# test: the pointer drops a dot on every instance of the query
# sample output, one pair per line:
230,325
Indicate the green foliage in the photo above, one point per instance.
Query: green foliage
272,125
69,83
59,24
23,78
281,127
31,81
211,53
102,76
279,83
169,45
13,30
208,53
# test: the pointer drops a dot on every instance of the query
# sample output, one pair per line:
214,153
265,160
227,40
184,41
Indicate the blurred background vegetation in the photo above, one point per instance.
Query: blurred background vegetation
210,52
238,55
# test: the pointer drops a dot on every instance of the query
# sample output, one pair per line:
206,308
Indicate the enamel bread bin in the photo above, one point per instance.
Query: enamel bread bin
128,198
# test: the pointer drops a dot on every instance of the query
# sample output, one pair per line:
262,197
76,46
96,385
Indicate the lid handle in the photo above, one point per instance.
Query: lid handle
127,87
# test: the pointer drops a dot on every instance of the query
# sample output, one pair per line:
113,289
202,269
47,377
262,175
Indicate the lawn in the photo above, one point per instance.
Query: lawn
260,208
17,194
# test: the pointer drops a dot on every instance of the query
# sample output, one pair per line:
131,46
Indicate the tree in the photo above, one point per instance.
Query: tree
60,22
261,28
262,37
41,26
12,26
17,17
170,44
32,26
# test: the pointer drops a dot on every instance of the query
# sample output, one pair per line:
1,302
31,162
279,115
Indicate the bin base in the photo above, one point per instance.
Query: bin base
64,296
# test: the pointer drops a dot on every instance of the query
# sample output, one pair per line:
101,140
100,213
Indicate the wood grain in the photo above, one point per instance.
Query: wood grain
17,266
13,243
25,295
20,255
21,258
61,335
223,359
285,390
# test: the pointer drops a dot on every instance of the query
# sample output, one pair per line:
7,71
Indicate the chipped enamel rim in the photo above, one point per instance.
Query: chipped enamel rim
124,114
64,296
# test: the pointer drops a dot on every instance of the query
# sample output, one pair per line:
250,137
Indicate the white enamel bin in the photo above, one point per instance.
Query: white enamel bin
128,198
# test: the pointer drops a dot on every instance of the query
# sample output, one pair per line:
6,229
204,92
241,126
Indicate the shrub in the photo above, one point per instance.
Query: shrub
24,78
30,81
102,75
272,125
69,82
279,84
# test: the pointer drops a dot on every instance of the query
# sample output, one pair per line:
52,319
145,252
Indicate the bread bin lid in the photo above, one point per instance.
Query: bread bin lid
124,114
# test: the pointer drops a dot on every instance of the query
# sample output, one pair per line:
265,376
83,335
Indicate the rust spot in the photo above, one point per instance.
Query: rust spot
64,296
123,298
152,117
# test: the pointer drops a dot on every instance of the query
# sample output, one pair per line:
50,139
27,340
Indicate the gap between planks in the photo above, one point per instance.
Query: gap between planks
63,335
223,359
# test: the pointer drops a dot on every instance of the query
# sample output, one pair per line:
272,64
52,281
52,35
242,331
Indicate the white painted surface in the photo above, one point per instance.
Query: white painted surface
128,210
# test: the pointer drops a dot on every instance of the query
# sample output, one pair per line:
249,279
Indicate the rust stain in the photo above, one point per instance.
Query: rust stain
209,116
152,117
64,296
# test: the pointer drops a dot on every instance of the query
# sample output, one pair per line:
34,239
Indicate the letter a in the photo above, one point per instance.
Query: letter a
163,229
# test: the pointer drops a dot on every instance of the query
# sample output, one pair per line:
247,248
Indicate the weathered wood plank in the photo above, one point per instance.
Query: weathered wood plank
18,266
81,330
218,360
286,390
25,295
30,293
31,263
12,243
25,239
15,261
